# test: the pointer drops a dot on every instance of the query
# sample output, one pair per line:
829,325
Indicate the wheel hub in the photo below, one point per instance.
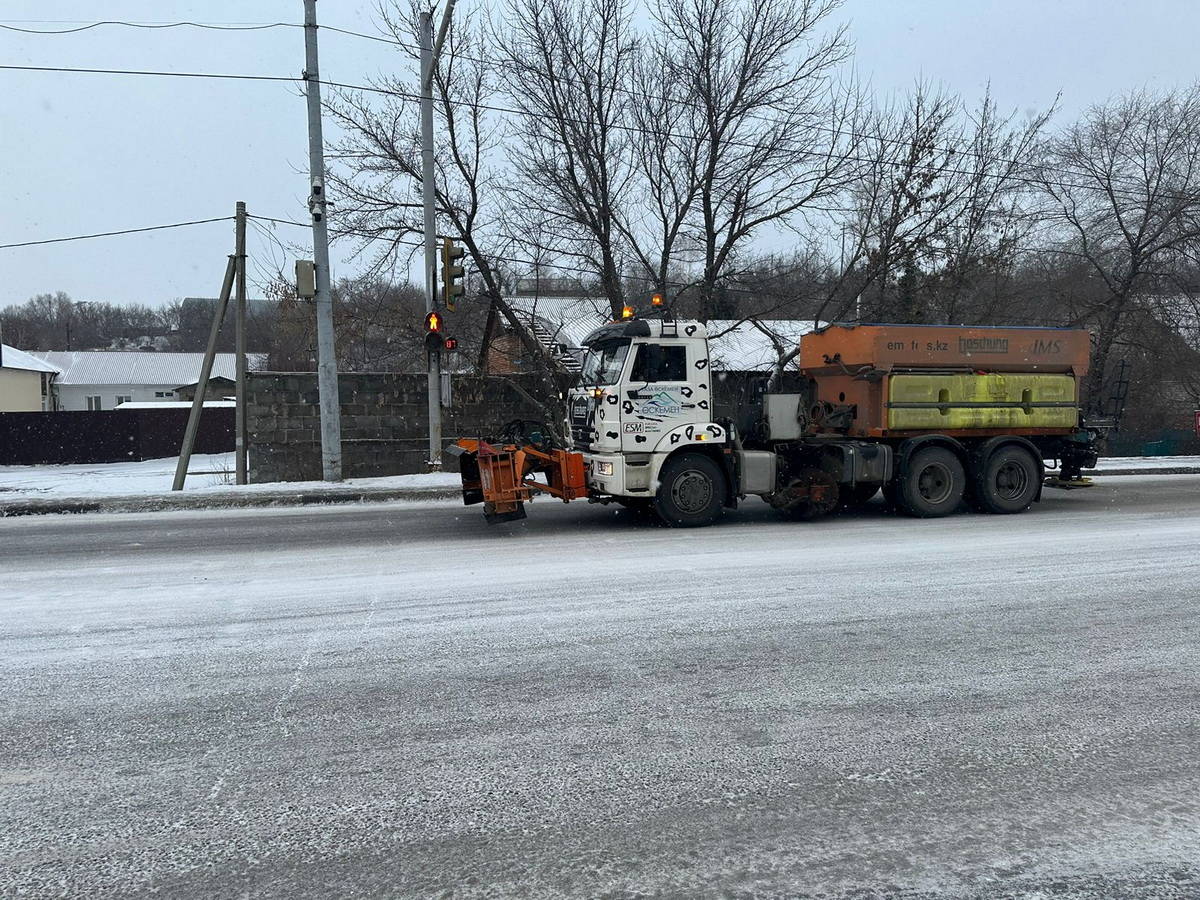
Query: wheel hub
935,483
1011,481
692,491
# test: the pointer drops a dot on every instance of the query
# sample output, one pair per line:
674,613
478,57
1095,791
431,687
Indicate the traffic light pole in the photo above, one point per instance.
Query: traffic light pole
434,355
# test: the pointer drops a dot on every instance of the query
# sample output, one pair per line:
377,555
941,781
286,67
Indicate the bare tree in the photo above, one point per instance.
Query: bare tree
771,133
1122,190
377,175
665,162
937,207
570,66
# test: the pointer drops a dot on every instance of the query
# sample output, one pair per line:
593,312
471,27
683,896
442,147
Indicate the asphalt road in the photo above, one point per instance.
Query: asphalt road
395,700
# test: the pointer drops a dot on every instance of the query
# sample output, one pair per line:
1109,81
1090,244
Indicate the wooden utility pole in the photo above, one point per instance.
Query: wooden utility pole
193,422
240,323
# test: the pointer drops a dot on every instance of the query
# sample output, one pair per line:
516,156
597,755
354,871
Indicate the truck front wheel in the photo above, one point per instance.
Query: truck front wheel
932,485
1008,481
691,491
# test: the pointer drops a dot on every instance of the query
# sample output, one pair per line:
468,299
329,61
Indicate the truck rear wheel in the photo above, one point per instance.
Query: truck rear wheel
933,484
1008,481
691,491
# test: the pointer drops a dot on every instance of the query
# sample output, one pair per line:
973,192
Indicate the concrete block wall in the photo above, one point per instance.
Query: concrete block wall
384,421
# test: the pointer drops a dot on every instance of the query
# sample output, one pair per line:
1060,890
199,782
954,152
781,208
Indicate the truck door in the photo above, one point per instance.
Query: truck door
658,395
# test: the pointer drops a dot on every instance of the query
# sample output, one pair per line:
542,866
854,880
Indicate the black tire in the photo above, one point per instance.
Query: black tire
858,496
1008,481
691,491
933,484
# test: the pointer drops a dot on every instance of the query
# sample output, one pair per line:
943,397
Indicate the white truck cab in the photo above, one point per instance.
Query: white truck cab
645,394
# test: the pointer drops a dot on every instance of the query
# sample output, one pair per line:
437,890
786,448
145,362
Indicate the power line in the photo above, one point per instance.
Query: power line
617,127
960,151
84,237
492,108
148,25
161,74
410,96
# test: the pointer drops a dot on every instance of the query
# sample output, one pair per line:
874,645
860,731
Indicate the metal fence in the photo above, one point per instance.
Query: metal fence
33,438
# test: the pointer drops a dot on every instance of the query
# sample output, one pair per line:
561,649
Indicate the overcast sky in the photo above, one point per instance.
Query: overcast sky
89,153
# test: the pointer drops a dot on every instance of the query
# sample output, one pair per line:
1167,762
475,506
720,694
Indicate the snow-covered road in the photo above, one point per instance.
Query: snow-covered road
398,700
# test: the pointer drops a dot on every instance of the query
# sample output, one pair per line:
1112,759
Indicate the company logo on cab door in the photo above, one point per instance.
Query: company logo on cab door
661,404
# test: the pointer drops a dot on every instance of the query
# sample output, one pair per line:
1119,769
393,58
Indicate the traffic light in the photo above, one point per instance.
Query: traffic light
433,331
452,273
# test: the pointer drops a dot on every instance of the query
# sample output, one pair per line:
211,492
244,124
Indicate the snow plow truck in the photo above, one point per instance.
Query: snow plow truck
932,416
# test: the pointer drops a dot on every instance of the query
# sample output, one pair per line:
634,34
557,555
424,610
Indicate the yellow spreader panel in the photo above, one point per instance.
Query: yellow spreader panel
1008,400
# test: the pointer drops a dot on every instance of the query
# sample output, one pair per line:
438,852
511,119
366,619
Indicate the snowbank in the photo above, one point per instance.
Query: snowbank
209,473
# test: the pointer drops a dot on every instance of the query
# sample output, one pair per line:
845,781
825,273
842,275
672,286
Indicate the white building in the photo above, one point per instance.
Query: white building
103,379
560,324
26,382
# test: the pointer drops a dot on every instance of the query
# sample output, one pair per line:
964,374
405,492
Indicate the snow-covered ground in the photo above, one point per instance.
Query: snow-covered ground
1147,463
211,473
399,700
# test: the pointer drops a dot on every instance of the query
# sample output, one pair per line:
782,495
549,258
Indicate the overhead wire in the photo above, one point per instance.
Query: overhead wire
413,48
100,234
148,25
472,104
491,107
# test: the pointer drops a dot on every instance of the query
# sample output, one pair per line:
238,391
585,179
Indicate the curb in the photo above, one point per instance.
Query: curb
1166,470
159,503
267,499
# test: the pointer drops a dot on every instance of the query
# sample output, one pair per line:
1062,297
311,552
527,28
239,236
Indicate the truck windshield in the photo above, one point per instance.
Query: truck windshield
604,362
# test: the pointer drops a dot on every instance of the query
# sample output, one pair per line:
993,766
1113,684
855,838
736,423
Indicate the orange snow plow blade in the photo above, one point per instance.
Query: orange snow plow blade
501,476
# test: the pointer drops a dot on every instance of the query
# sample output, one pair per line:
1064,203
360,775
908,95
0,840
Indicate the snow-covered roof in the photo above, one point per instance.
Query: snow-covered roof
735,346
175,404
137,367
12,358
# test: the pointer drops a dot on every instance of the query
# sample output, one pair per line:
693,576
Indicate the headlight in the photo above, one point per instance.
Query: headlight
604,468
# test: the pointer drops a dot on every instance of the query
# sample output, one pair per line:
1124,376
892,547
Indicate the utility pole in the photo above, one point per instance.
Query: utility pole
429,56
193,422
240,326
433,355
327,375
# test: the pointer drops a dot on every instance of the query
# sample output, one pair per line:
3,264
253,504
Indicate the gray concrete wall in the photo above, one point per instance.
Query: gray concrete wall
384,421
